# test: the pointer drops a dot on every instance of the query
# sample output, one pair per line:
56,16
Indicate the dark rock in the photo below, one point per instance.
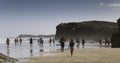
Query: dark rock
115,40
87,30
6,58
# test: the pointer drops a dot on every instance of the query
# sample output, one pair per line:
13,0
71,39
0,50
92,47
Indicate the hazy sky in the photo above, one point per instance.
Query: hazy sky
42,16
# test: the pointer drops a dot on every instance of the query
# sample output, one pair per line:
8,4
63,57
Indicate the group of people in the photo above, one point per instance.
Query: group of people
106,41
41,41
52,40
62,43
71,44
17,41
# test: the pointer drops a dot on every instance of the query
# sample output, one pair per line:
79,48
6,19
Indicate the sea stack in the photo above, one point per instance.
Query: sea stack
115,40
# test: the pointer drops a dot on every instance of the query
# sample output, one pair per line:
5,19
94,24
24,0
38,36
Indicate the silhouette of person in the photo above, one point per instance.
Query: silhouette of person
31,42
71,44
20,41
53,42
83,42
50,40
8,42
100,42
78,42
106,41
40,42
15,41
62,40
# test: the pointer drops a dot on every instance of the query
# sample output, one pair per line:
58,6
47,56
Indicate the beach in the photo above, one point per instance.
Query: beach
92,52
88,55
25,50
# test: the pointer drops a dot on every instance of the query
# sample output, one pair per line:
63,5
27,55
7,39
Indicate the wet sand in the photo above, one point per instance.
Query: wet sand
88,55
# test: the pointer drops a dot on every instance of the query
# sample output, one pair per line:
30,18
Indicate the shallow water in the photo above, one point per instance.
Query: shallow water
26,51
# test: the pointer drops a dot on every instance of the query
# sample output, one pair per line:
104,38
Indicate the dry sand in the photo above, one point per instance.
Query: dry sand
90,55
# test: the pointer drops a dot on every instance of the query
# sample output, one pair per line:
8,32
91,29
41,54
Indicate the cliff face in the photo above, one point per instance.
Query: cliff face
87,29
115,39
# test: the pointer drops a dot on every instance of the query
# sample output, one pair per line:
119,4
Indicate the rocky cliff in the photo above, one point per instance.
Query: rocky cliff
115,39
86,29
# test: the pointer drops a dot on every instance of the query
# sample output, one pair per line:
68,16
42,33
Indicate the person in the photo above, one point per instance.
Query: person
53,41
40,42
8,42
78,42
31,42
100,42
106,41
20,41
83,42
62,40
71,44
50,40
15,41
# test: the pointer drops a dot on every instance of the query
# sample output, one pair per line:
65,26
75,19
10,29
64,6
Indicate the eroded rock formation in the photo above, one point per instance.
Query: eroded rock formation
115,40
87,29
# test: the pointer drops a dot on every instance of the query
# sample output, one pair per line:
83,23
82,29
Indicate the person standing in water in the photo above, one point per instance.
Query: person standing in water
20,41
100,42
106,41
50,40
78,42
8,42
83,42
71,44
40,42
53,41
31,42
62,40
15,41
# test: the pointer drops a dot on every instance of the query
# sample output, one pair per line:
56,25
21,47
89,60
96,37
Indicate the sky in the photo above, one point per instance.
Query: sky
42,16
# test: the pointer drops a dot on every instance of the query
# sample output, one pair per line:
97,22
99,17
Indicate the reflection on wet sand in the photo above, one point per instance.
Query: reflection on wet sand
8,52
31,51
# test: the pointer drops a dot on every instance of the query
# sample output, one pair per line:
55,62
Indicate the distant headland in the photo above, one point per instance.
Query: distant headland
35,36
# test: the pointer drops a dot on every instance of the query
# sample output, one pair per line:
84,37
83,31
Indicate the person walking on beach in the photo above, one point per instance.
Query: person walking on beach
83,42
50,40
78,42
40,42
62,40
31,42
8,42
20,41
71,44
